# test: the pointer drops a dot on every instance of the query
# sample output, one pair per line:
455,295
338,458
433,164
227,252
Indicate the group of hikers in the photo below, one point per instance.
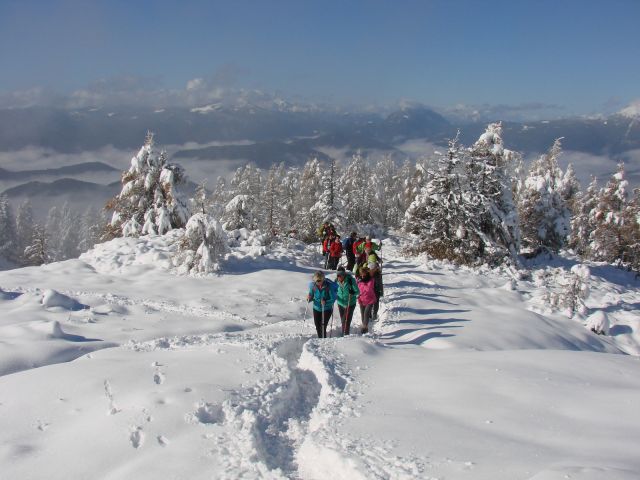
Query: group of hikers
363,288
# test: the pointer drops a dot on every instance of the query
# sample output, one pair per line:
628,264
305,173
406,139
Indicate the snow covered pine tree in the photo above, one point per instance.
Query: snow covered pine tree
148,202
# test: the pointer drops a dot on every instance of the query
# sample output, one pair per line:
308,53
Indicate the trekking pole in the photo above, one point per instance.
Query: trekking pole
333,310
323,329
304,318
345,325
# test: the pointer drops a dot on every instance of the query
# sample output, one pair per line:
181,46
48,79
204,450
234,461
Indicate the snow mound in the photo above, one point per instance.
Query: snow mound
146,252
6,295
52,298
598,323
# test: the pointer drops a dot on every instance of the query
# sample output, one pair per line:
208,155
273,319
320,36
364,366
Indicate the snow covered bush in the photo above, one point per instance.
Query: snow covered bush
203,243
565,291
243,237
149,202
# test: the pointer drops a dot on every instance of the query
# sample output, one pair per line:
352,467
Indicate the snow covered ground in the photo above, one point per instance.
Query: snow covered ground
114,367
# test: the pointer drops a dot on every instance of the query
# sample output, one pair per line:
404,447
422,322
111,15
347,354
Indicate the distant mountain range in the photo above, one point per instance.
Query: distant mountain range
277,133
69,187
69,170
265,135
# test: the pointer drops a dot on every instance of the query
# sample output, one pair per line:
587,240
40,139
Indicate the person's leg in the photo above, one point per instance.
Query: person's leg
376,306
327,317
367,316
343,317
347,329
317,320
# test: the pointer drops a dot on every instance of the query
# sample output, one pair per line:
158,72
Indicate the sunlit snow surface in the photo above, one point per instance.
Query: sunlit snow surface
115,367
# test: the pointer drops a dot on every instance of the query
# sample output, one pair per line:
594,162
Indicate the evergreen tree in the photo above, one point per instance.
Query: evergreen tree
583,220
53,234
445,214
491,177
37,252
289,195
631,232
91,226
24,228
543,210
329,205
199,202
307,219
387,204
69,232
8,236
357,191
273,202
607,243
238,214
149,202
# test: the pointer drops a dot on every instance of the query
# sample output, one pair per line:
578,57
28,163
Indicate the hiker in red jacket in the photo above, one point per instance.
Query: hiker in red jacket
335,252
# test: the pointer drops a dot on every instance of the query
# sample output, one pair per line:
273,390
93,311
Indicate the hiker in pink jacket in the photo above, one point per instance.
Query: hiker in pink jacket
367,298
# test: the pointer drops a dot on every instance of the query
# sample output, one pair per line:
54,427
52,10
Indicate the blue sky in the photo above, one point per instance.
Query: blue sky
564,57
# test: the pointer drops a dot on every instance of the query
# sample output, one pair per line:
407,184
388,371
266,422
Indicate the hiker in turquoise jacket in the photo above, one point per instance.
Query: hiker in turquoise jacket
347,297
323,295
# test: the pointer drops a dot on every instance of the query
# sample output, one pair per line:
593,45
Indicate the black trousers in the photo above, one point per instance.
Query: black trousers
351,261
346,315
321,320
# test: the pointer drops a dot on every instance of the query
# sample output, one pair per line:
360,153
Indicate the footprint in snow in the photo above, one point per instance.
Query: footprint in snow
42,426
136,437
162,440
158,378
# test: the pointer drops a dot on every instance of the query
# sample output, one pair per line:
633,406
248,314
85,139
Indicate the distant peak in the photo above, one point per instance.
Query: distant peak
632,110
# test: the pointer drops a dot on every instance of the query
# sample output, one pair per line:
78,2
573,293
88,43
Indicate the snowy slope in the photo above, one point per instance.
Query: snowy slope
113,366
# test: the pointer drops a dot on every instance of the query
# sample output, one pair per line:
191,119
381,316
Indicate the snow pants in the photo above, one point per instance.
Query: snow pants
346,315
321,320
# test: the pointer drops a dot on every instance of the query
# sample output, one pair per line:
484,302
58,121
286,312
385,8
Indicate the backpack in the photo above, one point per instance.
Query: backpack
333,286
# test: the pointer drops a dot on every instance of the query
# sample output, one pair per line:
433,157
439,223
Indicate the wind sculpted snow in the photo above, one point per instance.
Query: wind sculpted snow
113,366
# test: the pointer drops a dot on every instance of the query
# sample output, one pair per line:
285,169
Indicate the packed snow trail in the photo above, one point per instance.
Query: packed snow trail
217,377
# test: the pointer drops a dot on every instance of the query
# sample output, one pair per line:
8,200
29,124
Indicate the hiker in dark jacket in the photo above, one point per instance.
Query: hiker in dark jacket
323,297
347,246
347,297
376,273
